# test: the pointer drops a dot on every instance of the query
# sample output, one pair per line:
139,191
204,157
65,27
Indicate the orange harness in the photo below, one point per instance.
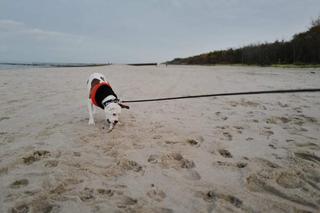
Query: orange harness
94,91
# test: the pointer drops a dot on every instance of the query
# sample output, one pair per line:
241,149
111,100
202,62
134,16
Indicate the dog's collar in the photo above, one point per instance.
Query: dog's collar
107,102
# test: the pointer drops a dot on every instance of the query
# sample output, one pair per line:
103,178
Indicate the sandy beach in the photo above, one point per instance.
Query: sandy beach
257,153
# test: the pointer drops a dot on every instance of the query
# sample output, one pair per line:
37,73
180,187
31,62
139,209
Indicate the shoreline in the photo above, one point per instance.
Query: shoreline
44,65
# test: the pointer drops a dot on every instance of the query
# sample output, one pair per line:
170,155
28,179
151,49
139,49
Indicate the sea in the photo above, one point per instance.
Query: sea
6,66
13,67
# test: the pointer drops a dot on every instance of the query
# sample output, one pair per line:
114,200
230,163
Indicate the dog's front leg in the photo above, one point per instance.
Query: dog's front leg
90,109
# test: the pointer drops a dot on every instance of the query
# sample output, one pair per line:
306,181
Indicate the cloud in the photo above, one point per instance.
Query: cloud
19,29
19,41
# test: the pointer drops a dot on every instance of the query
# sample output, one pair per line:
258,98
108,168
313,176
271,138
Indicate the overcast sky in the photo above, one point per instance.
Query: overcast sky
124,31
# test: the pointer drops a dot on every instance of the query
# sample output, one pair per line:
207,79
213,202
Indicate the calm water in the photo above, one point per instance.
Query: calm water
13,67
43,65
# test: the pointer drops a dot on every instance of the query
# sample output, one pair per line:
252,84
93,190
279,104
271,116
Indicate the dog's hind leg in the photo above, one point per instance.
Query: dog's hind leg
90,109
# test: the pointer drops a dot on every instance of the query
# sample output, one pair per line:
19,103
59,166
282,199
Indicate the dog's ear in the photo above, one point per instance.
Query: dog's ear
124,106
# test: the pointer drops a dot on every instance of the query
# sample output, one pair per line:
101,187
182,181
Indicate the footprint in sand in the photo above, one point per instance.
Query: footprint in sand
310,119
153,159
13,101
277,120
77,154
228,131
192,174
87,195
290,180
3,170
8,138
192,142
272,146
239,165
308,157
19,183
283,105
36,156
227,135
106,192
60,189
212,196
37,206
51,163
225,153
195,142
255,121
129,165
4,118
298,109
249,139
126,201
286,183
3,133
239,129
44,205
171,142
307,145
20,209
267,133
156,137
172,160
243,102
156,194
162,210
260,183
49,130
221,116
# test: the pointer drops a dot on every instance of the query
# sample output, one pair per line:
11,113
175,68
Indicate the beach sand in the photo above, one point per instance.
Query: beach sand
257,153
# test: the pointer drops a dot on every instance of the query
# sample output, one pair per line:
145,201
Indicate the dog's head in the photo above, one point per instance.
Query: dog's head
112,112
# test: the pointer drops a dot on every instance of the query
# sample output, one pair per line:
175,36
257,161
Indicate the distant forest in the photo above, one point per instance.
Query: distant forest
304,48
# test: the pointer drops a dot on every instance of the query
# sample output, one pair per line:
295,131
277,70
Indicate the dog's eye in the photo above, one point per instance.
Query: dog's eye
114,114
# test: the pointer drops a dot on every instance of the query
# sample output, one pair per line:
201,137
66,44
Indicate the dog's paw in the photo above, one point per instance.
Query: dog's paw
91,122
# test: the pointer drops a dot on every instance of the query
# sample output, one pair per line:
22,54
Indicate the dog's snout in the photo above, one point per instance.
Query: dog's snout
115,122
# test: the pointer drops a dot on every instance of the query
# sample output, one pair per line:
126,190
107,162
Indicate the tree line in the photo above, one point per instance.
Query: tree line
303,48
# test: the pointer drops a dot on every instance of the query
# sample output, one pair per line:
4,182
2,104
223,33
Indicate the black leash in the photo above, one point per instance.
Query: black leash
225,94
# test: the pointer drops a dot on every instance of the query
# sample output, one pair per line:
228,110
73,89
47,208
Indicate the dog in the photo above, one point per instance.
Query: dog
102,95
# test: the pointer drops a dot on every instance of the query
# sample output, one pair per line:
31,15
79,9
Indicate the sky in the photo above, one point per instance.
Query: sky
136,31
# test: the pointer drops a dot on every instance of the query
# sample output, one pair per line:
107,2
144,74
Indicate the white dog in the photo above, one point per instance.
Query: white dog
101,95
